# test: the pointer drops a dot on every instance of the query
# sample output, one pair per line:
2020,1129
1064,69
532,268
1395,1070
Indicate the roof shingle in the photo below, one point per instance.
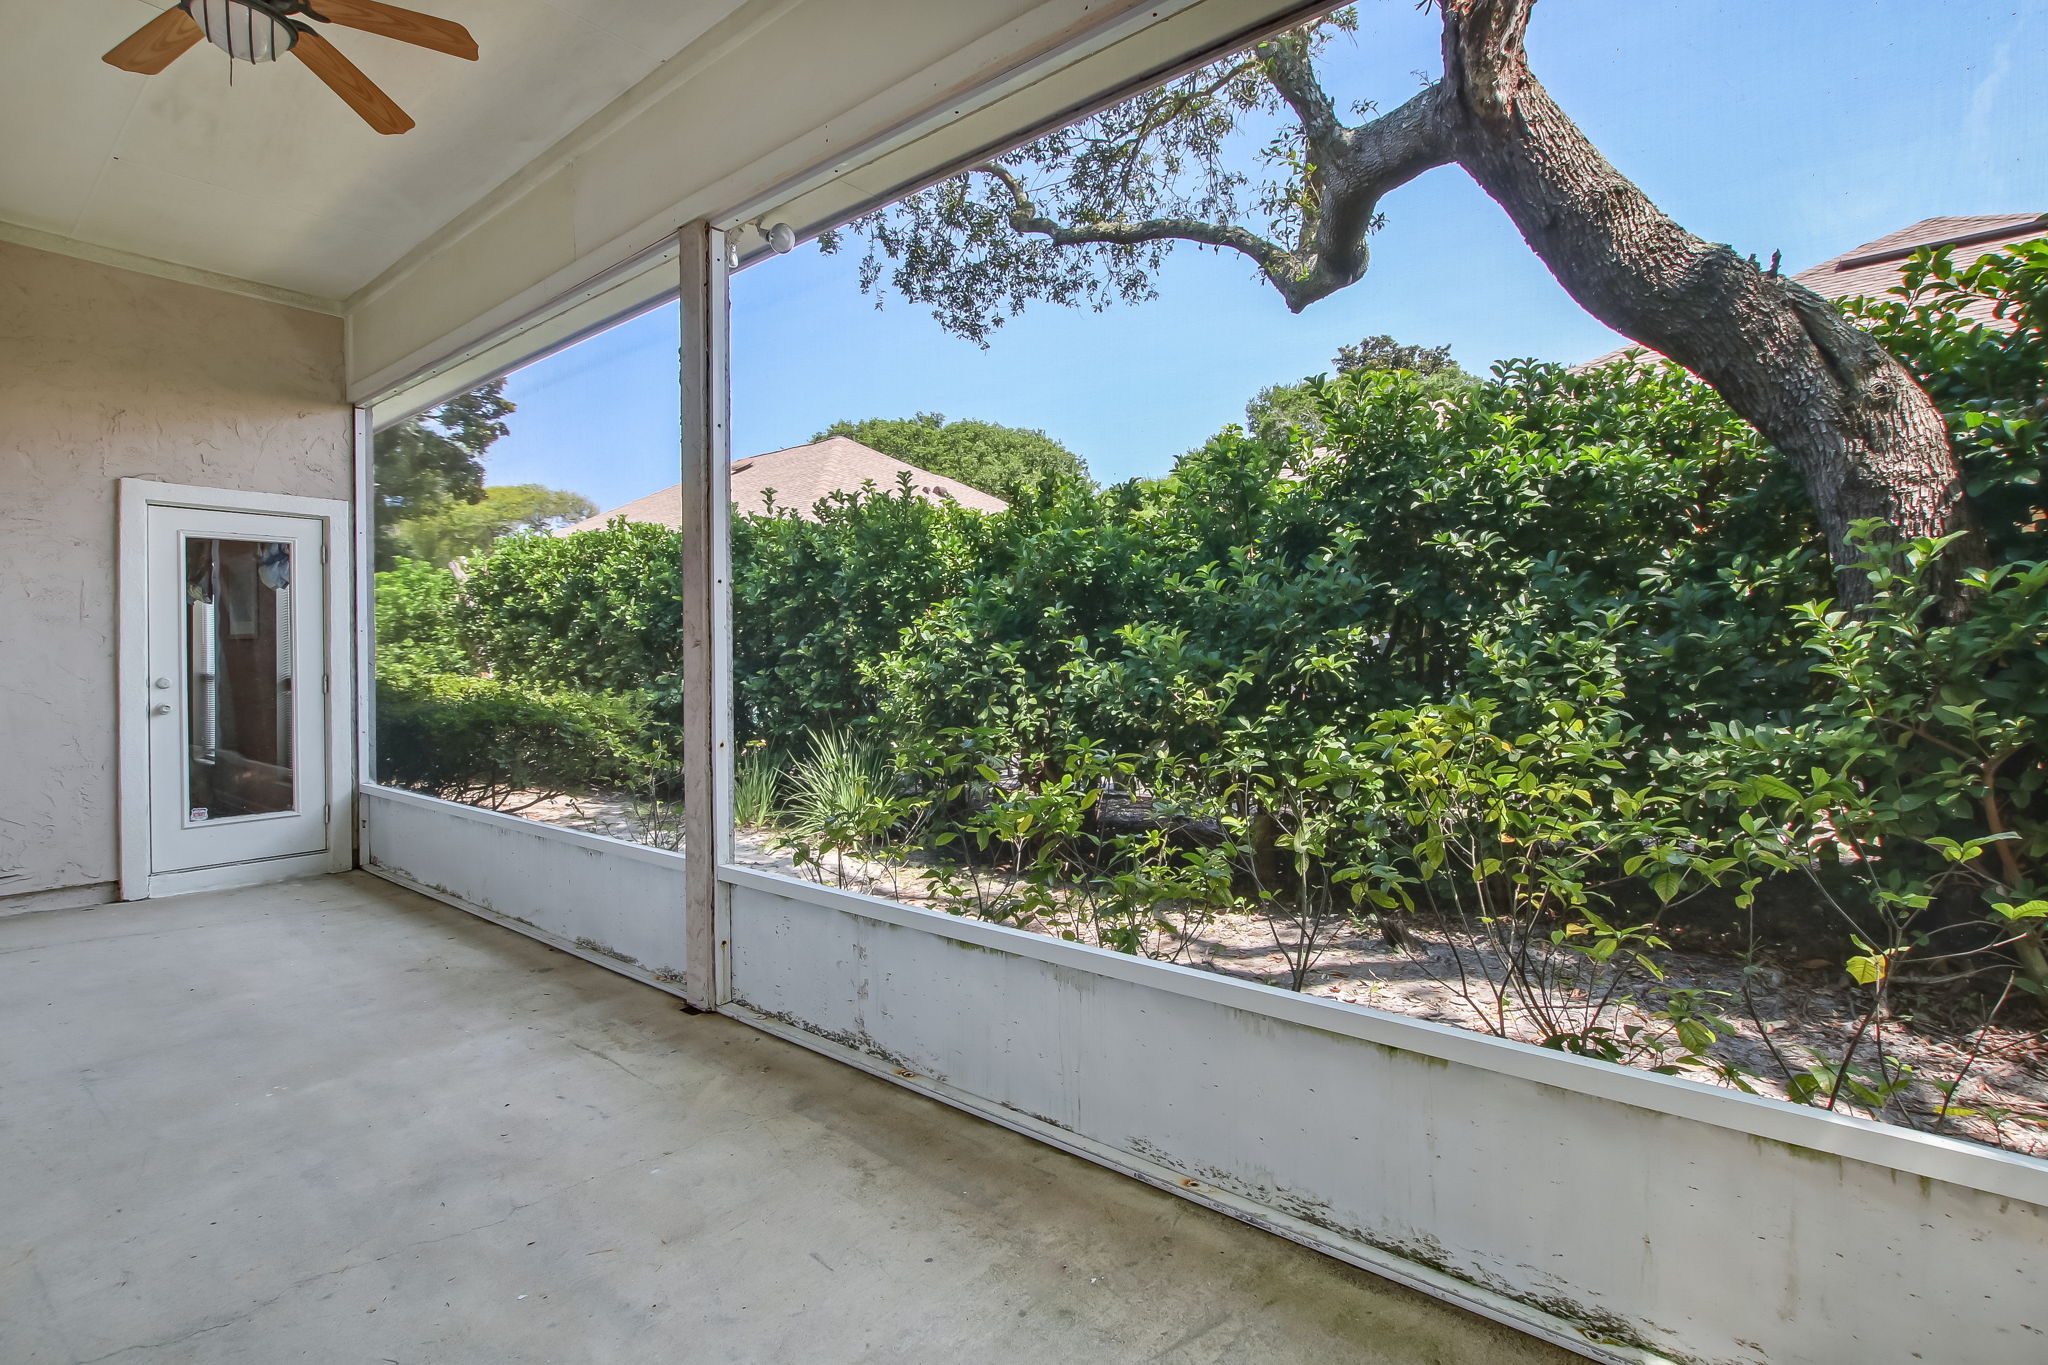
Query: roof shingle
1871,270
798,478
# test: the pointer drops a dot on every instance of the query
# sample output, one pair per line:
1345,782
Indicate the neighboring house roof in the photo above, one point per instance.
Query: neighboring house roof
1873,269
800,477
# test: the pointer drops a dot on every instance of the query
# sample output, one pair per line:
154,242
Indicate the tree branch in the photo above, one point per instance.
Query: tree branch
1376,158
1484,50
1290,71
1010,182
1354,168
1268,255
1024,217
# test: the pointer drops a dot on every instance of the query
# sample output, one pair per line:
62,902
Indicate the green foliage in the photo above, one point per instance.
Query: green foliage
1919,766
1989,373
1163,154
756,787
416,630
1308,584
836,787
1523,840
1384,353
503,745
1544,654
599,611
486,740
1282,409
993,458
458,529
429,462
813,598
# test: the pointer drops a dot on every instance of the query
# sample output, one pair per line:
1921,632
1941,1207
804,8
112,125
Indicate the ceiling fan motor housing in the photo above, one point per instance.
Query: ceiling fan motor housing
247,30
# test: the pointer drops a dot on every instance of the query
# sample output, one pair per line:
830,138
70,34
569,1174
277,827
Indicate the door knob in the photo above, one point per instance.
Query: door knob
162,708
162,684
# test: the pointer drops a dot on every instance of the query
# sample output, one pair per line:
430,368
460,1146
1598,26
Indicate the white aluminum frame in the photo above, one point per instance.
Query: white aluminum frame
136,497
363,604
707,609
741,198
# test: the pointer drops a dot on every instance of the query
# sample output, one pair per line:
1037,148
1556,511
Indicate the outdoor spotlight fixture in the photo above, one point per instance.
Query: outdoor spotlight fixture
780,239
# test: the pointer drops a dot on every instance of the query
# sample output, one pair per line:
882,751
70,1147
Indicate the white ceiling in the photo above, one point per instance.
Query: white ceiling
271,178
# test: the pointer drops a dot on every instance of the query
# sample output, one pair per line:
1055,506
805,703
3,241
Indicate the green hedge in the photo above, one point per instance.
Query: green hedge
502,744
1246,631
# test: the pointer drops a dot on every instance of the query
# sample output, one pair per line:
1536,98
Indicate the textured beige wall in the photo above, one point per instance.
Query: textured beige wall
107,374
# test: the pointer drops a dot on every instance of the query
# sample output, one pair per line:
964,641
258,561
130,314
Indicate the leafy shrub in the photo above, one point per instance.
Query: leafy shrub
1460,558
1300,587
813,598
1920,770
1977,337
416,627
492,743
597,611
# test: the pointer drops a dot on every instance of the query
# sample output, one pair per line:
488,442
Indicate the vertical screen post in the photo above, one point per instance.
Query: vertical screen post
706,586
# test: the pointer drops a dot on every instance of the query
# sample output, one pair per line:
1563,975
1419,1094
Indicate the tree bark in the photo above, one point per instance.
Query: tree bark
1854,424
1863,436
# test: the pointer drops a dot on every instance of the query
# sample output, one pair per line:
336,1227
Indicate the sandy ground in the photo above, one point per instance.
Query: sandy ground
1806,1009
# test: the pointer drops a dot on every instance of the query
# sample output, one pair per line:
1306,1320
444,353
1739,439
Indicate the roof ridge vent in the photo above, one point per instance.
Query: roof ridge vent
1900,253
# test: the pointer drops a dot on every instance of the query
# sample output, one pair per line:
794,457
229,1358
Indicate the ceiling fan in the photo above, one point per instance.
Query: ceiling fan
264,30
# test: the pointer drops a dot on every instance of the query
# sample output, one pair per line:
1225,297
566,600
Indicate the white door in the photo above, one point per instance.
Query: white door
237,689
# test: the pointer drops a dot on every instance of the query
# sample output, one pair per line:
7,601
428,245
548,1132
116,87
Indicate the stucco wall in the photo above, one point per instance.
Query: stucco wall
108,374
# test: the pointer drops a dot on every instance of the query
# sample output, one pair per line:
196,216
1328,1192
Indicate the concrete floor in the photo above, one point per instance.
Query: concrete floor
334,1121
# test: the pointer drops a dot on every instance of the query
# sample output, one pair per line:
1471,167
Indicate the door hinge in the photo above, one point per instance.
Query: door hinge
326,684
327,813
323,552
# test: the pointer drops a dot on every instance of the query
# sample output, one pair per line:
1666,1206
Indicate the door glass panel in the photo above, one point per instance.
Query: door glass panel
238,678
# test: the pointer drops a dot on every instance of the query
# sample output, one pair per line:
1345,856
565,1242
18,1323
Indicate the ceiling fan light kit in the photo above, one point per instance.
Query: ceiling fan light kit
264,30
248,30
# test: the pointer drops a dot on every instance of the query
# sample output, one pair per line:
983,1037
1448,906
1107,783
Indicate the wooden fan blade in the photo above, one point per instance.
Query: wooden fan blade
358,91
156,44
422,30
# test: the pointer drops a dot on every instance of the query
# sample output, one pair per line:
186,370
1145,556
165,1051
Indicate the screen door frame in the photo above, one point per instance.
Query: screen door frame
331,617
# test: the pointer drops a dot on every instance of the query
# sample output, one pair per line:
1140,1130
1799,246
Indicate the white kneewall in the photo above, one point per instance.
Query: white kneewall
617,904
108,374
1612,1210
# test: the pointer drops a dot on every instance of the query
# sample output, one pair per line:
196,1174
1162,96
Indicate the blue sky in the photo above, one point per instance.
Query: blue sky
1801,126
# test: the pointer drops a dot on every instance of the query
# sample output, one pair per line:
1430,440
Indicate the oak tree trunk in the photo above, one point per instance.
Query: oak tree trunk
1863,436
